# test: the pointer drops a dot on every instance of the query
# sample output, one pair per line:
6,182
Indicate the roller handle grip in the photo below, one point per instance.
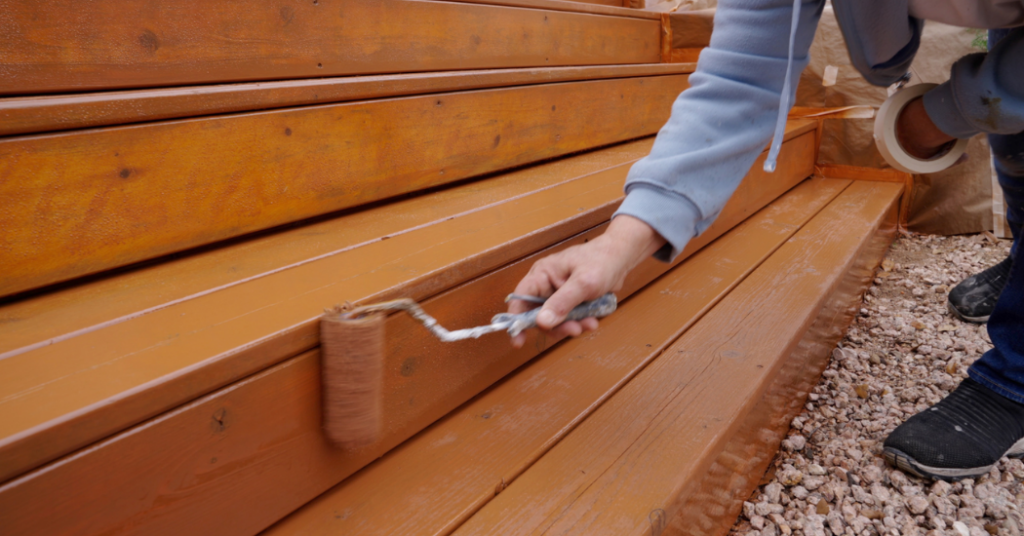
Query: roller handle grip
599,308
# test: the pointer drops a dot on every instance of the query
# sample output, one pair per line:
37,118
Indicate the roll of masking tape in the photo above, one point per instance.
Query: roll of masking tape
889,145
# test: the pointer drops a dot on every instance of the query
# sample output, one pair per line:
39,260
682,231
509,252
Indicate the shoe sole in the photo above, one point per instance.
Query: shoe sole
902,461
965,318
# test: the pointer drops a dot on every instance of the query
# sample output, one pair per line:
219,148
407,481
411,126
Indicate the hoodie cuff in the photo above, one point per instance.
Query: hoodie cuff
942,109
674,217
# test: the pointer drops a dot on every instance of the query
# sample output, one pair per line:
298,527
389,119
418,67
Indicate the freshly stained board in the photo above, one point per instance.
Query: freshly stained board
71,46
434,481
627,465
602,7
21,115
63,396
55,316
250,453
85,201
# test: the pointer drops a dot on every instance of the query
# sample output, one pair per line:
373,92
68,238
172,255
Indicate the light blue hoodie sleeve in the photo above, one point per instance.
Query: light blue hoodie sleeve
723,121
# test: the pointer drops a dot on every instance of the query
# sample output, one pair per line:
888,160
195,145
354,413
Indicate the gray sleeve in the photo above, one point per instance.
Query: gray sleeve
985,92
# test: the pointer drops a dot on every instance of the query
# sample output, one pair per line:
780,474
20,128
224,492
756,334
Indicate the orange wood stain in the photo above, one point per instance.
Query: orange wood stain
874,174
66,395
597,7
710,505
691,29
70,46
425,380
624,467
86,201
433,482
20,115
59,315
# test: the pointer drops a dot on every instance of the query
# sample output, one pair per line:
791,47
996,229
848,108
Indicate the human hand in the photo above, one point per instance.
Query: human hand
918,135
584,272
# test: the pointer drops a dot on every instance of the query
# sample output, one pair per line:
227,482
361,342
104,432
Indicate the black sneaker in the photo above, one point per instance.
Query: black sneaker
962,436
975,297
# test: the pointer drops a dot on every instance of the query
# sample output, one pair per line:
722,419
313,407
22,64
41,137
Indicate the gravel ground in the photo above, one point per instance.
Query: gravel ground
902,354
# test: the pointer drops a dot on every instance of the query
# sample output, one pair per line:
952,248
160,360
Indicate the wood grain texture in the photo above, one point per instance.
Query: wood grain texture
873,174
52,317
597,7
21,115
86,201
709,506
263,454
434,481
69,46
623,469
692,29
68,394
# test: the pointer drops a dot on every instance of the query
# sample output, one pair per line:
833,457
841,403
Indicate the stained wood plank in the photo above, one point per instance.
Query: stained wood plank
874,174
630,460
433,482
710,505
86,201
598,7
692,29
21,115
71,393
52,317
69,46
228,463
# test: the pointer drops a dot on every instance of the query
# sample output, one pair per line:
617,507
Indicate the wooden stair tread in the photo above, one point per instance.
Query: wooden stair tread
626,468
90,200
20,115
434,481
69,46
66,395
227,463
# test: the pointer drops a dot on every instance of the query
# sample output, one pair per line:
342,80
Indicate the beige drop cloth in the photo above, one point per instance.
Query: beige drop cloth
955,201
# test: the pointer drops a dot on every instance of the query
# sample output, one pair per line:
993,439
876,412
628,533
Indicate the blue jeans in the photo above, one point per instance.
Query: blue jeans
1002,368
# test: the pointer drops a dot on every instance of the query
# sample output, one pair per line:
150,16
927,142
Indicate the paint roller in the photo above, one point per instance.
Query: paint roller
352,357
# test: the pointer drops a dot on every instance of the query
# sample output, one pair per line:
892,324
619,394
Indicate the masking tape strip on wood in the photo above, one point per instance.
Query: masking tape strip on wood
889,145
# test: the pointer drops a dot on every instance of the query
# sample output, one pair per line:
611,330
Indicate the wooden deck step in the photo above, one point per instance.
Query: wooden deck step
68,46
670,432
680,445
84,201
66,395
435,481
228,463
23,115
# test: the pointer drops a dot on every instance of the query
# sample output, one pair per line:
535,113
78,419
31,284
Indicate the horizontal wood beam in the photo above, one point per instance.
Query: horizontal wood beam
22,115
264,431
68,394
598,7
437,479
70,312
692,29
634,457
86,201
69,46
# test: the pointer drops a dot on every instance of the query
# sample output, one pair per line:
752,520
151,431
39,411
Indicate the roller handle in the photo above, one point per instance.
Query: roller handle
599,308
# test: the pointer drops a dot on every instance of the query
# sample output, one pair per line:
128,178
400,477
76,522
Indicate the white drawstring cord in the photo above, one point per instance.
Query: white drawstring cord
784,100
